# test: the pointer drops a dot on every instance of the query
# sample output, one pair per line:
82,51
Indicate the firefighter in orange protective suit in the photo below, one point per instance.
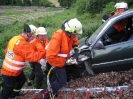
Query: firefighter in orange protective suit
120,7
58,49
118,28
17,52
38,42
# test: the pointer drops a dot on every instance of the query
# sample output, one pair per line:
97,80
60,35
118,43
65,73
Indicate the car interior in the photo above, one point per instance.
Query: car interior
124,35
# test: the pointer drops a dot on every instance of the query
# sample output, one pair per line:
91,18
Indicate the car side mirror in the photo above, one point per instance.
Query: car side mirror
99,45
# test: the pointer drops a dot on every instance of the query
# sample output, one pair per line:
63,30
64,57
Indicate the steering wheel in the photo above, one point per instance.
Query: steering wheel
107,39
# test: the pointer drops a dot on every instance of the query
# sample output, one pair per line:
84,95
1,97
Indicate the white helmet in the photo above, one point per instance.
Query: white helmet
42,31
121,5
73,26
33,29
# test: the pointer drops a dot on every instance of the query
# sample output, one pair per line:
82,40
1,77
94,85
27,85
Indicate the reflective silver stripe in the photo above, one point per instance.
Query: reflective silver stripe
47,46
14,61
12,67
62,55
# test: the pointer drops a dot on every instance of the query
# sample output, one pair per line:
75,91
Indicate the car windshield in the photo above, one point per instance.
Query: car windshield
96,33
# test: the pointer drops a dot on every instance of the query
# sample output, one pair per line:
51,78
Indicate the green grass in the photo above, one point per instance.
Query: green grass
50,22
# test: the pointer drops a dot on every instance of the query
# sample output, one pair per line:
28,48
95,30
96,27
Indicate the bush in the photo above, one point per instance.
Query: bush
81,7
109,8
45,3
90,27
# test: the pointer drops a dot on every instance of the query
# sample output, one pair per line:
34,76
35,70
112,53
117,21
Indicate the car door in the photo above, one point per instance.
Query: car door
113,57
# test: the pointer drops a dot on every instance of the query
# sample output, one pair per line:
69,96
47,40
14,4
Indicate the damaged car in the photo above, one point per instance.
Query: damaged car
102,53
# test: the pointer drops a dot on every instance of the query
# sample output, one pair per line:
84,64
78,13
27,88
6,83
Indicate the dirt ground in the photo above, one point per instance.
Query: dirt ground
102,80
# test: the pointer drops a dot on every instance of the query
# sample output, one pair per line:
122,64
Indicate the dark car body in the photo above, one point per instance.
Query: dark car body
116,56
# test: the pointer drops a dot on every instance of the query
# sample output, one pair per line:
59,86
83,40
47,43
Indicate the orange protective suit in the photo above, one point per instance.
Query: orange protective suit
119,26
59,48
17,51
36,44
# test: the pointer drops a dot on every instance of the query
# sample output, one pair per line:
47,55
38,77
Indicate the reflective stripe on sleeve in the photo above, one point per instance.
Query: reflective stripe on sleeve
62,55
47,46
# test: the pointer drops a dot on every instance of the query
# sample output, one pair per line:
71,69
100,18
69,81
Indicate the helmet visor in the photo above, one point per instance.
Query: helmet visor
80,31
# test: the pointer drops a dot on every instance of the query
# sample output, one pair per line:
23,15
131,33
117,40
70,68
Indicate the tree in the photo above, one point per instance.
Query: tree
80,6
96,6
66,3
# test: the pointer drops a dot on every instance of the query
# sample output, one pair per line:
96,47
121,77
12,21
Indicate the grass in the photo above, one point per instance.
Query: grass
51,20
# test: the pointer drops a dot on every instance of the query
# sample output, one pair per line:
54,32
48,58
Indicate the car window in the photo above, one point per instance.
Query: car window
96,33
97,37
125,35
120,36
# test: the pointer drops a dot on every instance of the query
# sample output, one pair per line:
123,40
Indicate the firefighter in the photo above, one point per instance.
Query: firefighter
38,43
16,53
58,49
118,28
120,7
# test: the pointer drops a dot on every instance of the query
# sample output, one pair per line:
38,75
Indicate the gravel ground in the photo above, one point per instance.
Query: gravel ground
102,80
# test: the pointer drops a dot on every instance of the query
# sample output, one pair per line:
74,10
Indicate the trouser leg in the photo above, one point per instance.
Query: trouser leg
60,81
20,80
38,74
32,75
52,76
8,86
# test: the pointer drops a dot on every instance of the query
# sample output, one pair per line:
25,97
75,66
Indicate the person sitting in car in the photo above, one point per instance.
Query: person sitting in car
119,26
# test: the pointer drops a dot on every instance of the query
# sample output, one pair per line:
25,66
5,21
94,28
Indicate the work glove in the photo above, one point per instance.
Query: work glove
76,54
71,61
43,63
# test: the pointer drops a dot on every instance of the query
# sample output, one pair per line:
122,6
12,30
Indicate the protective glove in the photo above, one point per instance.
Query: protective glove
43,63
76,54
71,61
